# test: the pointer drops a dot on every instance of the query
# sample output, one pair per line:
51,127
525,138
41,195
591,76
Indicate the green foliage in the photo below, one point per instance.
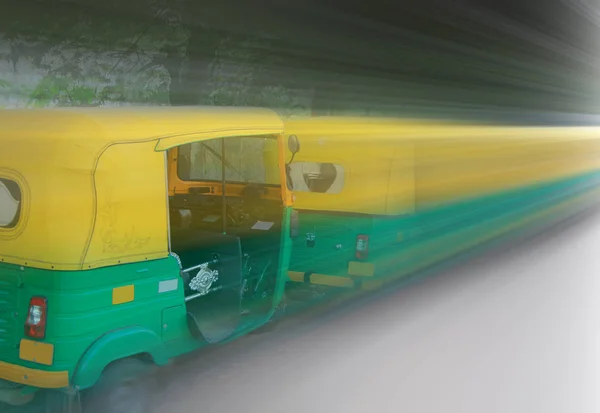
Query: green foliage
88,59
50,90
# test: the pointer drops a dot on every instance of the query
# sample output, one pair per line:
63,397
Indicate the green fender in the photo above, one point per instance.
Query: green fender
113,346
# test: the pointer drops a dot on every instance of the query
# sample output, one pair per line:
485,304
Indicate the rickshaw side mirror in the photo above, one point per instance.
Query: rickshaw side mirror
293,144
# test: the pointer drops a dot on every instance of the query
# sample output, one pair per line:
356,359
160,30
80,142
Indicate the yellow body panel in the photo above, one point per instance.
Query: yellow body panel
501,162
123,294
361,269
93,180
395,167
322,279
37,352
369,151
34,377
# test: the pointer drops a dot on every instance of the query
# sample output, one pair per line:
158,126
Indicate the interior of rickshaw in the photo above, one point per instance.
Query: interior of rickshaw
226,218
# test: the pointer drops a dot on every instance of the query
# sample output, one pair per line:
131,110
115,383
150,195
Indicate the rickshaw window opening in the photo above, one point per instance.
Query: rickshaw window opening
10,203
234,160
317,177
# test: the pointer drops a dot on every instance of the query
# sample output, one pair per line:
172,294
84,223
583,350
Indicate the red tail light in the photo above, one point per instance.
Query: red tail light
35,326
362,247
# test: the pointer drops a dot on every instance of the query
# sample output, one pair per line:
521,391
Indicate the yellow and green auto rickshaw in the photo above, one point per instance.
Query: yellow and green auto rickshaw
379,199
131,236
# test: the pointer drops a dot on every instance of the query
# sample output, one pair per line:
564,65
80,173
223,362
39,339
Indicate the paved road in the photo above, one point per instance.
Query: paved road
513,331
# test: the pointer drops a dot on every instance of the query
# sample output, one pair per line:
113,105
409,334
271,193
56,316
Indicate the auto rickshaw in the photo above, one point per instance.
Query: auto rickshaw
380,199
132,236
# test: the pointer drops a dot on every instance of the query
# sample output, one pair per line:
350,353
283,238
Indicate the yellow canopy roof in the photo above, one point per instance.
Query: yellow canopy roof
392,166
93,180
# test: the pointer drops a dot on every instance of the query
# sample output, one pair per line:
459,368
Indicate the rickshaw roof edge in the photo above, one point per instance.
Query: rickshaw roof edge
112,125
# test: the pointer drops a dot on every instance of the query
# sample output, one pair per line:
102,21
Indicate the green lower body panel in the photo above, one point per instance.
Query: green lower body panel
401,245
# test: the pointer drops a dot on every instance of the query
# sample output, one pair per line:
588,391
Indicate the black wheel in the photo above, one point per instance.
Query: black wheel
126,386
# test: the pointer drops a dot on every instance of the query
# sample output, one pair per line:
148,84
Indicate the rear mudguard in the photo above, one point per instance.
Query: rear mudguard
113,346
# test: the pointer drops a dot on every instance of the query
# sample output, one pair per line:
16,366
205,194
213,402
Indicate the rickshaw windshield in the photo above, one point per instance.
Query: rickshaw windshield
245,160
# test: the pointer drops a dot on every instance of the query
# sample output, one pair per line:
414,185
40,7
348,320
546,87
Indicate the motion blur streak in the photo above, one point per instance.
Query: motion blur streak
508,60
511,331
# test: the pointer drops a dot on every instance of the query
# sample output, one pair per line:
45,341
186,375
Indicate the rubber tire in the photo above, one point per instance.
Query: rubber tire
126,386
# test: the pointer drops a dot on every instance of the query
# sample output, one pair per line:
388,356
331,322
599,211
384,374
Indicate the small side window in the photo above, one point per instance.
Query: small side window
324,178
245,160
10,203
